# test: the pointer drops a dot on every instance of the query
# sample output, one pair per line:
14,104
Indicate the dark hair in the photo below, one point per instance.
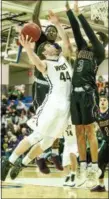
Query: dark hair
57,46
103,37
103,94
41,49
51,26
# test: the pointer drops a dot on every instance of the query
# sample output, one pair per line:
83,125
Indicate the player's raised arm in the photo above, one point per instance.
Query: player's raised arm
41,66
97,45
67,49
36,13
80,41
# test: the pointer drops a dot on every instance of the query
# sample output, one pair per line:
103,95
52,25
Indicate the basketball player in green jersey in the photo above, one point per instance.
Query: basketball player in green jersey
103,157
84,96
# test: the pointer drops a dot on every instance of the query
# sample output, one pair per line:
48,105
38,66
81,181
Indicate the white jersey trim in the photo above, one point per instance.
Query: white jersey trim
41,82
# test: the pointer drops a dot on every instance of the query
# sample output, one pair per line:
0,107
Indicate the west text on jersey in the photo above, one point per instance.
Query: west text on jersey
61,67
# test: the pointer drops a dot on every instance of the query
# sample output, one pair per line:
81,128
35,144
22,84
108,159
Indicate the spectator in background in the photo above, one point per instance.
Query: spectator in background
11,107
10,135
4,99
17,92
15,117
23,117
21,106
101,84
10,91
16,129
5,144
3,129
22,91
3,134
30,112
24,133
13,94
6,119
11,145
4,103
3,120
10,127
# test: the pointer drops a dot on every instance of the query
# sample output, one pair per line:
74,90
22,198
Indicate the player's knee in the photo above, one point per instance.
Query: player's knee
46,143
33,139
89,129
79,130
25,141
80,133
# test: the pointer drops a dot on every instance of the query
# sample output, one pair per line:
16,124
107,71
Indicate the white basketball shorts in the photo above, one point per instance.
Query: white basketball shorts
51,119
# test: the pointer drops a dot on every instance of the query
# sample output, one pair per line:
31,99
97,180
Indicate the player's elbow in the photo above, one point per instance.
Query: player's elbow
41,68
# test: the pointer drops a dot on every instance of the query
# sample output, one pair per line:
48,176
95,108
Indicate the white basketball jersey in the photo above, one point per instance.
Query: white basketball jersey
59,75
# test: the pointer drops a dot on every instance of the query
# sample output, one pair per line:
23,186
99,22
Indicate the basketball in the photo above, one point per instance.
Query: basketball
32,30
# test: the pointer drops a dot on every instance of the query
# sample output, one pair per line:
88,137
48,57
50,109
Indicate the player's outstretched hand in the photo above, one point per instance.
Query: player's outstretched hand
67,5
25,42
52,17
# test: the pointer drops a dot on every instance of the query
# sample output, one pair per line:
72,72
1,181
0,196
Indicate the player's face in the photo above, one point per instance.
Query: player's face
103,103
49,50
51,33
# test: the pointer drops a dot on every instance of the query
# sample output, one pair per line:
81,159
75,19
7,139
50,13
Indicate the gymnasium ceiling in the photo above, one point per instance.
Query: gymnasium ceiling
16,11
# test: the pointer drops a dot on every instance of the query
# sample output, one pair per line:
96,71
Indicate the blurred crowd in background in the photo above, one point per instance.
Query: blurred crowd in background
16,109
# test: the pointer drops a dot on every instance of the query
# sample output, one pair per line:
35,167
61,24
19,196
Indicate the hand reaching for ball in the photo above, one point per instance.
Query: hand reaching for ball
53,18
25,42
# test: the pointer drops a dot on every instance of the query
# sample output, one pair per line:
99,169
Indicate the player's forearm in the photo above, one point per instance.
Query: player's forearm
62,33
36,13
80,42
64,37
88,30
97,46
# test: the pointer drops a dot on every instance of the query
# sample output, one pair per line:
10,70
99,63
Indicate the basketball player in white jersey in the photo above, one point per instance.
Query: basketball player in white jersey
70,155
52,116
